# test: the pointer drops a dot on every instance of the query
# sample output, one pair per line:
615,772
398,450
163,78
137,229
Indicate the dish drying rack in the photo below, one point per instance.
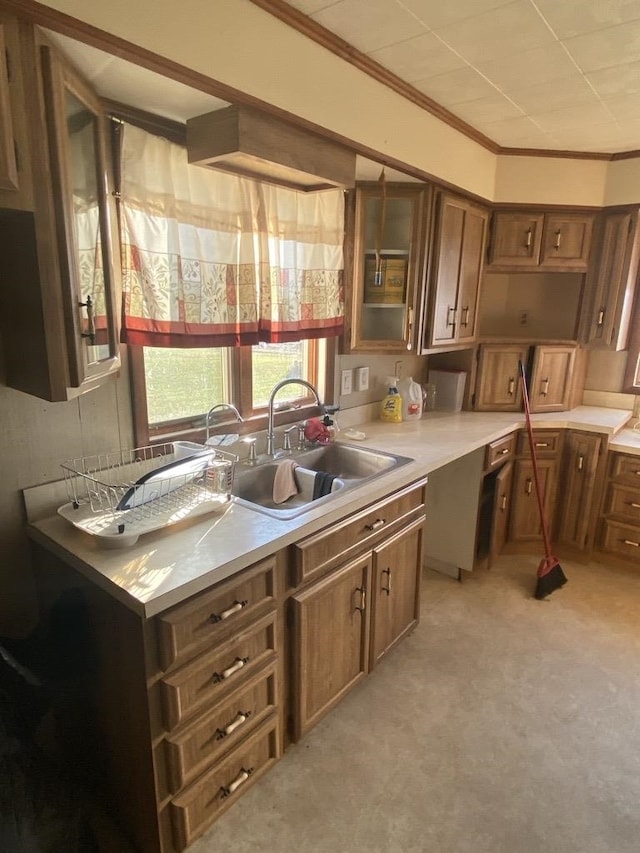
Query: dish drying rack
120,495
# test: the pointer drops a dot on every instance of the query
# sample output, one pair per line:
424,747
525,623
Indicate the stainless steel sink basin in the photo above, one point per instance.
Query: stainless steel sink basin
350,465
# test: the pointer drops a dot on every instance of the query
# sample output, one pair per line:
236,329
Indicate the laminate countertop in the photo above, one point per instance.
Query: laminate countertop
163,568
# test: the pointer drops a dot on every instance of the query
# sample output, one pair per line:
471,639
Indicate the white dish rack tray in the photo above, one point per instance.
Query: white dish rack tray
120,495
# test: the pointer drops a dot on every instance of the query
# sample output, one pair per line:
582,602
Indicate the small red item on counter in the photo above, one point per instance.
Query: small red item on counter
315,430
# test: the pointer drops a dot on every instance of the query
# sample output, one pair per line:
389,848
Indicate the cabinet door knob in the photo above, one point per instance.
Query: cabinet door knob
528,236
503,503
528,485
241,778
544,387
230,670
600,317
235,608
512,386
91,323
387,588
410,328
580,462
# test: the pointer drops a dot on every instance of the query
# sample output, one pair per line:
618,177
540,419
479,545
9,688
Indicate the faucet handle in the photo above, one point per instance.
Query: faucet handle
252,458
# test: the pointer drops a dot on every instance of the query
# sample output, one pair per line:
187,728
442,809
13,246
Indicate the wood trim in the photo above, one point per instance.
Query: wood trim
174,131
342,49
139,412
552,152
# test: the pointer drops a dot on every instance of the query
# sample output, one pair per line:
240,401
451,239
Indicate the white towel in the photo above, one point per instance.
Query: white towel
284,483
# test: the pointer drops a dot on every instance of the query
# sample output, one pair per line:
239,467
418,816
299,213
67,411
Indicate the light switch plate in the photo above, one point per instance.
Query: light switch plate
362,378
346,383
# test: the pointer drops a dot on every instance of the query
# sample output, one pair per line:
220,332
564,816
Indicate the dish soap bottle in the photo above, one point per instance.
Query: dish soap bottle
411,394
391,409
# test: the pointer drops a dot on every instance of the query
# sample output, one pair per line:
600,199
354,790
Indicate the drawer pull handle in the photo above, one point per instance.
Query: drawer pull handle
449,321
580,462
465,317
504,450
235,607
543,444
240,718
230,670
556,245
387,588
527,485
544,390
503,503
240,779
512,386
363,598
631,542
634,505
378,524
527,242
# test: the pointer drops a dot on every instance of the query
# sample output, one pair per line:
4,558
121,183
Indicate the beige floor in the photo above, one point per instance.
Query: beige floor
502,725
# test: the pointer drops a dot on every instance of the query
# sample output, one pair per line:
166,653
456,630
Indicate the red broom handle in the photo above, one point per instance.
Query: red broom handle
536,478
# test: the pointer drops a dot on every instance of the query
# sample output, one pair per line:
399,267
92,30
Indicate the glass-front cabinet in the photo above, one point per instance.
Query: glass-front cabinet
389,224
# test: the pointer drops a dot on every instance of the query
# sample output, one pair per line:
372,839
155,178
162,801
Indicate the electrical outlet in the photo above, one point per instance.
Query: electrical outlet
362,378
346,383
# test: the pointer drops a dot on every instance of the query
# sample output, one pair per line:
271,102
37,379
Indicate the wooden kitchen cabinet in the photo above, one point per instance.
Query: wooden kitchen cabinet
551,377
524,518
457,262
580,459
498,385
331,637
15,175
619,533
59,317
540,240
611,282
395,600
359,597
500,511
389,225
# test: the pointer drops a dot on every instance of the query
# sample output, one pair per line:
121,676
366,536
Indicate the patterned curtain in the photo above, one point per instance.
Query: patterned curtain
212,259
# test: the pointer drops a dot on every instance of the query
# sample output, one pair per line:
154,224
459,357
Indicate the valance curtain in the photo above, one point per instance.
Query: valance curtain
212,259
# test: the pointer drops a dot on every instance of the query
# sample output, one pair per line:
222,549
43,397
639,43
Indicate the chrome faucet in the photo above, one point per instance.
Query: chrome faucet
271,436
209,415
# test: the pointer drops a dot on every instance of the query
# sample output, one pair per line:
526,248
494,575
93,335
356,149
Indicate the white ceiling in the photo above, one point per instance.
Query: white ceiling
551,74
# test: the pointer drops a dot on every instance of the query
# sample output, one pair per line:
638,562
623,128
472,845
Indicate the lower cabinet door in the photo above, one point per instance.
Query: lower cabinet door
397,566
580,461
500,515
524,523
331,637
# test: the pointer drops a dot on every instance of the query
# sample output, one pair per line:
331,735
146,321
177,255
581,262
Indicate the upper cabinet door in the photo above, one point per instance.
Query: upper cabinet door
498,385
456,268
611,283
551,377
566,241
15,178
83,213
389,240
8,164
516,239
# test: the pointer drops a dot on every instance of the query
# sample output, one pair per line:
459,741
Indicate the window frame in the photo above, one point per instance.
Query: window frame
240,368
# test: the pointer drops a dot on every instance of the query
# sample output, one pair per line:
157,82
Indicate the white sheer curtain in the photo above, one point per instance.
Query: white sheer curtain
211,259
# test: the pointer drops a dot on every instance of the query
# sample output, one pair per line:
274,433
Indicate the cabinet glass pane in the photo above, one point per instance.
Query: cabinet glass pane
82,134
388,225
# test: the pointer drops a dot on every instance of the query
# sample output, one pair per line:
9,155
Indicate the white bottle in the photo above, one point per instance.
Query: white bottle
411,394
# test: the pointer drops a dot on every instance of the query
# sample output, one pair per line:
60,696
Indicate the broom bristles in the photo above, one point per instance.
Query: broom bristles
550,577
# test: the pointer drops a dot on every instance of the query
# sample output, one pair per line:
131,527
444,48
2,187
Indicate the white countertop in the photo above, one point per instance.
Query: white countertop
166,567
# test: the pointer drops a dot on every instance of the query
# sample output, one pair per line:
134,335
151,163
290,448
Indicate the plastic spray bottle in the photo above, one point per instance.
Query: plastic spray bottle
391,408
411,394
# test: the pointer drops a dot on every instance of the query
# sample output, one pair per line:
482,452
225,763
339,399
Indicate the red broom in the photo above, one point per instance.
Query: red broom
550,574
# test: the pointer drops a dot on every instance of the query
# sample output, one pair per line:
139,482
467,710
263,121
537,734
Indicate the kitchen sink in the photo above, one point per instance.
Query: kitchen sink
350,466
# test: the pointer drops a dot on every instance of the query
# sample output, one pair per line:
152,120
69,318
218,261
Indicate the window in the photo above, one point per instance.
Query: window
173,389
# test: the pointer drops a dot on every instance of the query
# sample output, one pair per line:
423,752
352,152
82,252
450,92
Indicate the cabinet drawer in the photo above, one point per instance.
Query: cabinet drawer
326,549
205,618
626,469
215,673
203,742
547,442
499,451
195,809
622,540
624,502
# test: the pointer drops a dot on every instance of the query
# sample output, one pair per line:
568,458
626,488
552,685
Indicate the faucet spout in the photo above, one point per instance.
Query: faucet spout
225,406
270,411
